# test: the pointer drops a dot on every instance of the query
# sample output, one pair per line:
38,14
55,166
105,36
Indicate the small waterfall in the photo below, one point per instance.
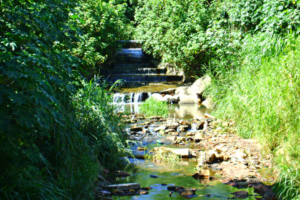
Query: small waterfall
118,98
136,68
137,97
149,94
131,97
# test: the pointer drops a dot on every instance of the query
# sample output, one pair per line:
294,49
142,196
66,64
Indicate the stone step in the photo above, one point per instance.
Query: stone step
134,71
132,65
131,43
145,78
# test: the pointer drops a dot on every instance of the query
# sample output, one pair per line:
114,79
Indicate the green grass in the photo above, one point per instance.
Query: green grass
163,154
153,107
66,165
263,98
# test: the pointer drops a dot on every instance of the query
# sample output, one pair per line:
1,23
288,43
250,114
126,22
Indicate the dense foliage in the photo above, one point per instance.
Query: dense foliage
244,45
201,35
56,131
100,25
174,30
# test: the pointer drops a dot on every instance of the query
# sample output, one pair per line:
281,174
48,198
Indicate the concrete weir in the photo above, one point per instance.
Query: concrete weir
135,67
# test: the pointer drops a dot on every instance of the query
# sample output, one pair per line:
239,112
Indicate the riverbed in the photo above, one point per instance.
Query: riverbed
161,176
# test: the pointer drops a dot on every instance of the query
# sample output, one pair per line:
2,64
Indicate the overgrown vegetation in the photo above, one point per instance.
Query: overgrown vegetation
100,25
263,100
252,51
153,107
56,131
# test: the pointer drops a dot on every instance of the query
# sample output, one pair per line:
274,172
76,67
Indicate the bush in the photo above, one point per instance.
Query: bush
51,132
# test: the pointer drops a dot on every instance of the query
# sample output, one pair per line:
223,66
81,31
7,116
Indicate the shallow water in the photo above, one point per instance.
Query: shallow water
179,174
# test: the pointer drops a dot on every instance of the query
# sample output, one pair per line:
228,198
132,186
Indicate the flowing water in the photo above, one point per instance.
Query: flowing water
133,66
179,174
136,68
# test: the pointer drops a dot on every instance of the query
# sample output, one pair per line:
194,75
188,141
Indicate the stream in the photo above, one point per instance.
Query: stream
159,176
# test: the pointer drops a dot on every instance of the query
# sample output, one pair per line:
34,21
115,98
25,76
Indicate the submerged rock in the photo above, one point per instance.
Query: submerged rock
142,192
241,194
204,173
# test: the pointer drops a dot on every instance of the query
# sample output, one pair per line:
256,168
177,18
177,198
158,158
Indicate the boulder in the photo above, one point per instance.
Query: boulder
181,90
169,130
179,140
241,194
168,91
174,188
190,134
166,98
200,125
121,174
184,153
159,128
172,126
158,97
175,133
136,128
183,128
183,122
211,156
189,99
188,193
142,192
198,137
171,98
199,85
206,115
240,154
195,176
124,186
204,173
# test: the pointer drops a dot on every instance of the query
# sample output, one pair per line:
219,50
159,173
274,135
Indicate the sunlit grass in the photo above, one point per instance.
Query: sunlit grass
163,154
263,98
153,107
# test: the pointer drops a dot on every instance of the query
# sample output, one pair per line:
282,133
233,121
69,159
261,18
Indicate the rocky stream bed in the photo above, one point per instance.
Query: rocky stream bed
215,163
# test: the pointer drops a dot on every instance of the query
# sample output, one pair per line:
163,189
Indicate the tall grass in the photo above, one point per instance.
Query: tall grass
87,140
263,97
153,107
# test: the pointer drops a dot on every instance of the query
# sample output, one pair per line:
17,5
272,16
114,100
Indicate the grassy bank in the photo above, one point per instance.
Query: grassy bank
262,97
61,160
